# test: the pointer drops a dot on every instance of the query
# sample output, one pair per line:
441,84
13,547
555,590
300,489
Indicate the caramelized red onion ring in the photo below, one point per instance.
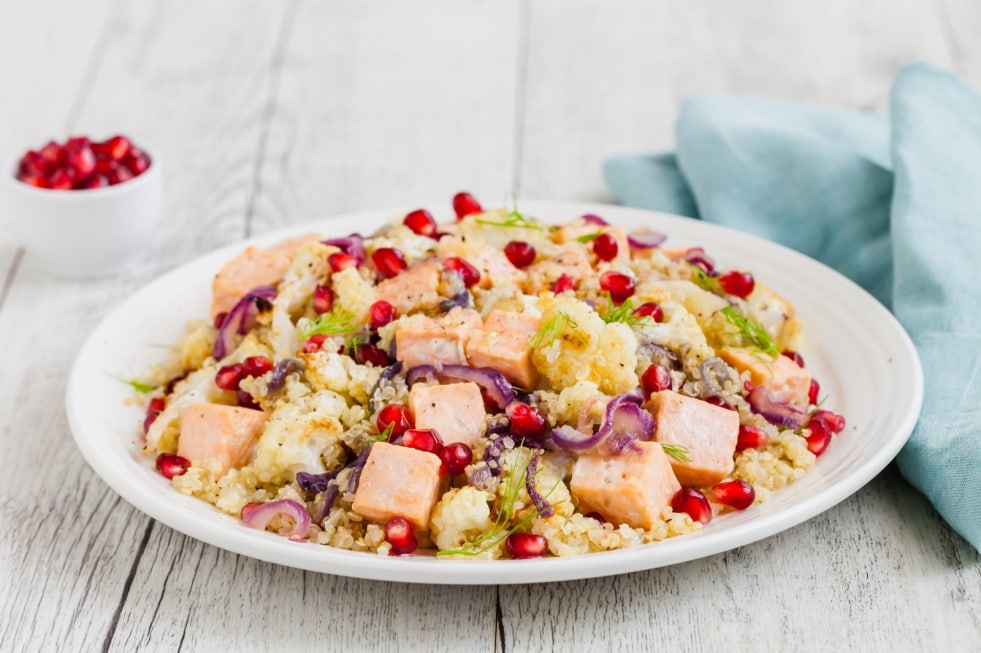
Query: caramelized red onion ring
260,515
492,381
241,319
775,412
625,422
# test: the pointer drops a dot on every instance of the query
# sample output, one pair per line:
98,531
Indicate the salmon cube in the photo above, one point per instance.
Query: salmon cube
785,380
413,289
252,268
421,340
226,433
398,482
504,343
708,432
455,411
630,488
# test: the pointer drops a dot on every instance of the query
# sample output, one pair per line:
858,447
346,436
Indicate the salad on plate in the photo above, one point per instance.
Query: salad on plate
493,387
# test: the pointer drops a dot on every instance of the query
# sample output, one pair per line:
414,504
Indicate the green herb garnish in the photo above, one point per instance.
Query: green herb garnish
500,530
752,331
384,436
706,282
142,388
623,313
514,218
677,451
588,238
549,331
335,323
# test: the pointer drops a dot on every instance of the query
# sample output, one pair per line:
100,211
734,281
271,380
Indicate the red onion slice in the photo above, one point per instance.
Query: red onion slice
775,412
241,319
697,256
624,423
260,515
493,382
592,218
353,245
543,507
282,370
645,238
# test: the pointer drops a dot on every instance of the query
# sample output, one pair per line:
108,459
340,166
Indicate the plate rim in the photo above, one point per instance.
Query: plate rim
423,569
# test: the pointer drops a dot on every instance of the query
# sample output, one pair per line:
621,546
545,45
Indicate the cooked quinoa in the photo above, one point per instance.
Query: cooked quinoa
287,399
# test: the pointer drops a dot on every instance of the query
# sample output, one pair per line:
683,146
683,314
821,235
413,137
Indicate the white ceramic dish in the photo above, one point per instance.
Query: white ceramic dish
863,358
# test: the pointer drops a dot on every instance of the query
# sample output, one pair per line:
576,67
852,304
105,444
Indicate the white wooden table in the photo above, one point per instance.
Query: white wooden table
273,113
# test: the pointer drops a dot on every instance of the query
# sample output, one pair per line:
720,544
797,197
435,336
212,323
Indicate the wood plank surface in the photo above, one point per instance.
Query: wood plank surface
269,114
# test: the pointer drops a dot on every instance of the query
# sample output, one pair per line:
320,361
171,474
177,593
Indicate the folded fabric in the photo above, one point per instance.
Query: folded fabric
892,203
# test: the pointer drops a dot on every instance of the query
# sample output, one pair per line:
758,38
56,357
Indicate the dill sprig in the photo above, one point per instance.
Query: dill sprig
138,386
752,331
337,322
550,329
677,451
588,238
514,218
705,281
500,530
623,313
384,436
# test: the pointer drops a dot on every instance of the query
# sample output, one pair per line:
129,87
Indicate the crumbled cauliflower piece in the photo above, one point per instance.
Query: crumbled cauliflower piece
461,516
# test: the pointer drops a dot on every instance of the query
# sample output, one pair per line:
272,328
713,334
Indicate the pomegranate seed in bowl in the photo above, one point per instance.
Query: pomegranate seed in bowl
82,164
736,494
398,533
465,204
692,502
171,465
525,545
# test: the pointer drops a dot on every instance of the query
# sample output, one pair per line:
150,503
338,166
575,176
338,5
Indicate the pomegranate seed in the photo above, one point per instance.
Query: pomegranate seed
526,421
525,545
465,204
364,354
563,283
97,181
256,366
53,154
63,179
813,391
156,405
314,343
619,285
421,222
105,166
32,163
716,400
395,416
737,283
77,143
82,160
245,400
229,376
34,180
832,422
605,247
456,456
398,532
118,175
468,273
150,418
389,261
819,439
341,261
655,379
137,162
173,382
751,437
323,299
422,439
380,313
117,148
651,310
520,253
735,494
171,465
693,502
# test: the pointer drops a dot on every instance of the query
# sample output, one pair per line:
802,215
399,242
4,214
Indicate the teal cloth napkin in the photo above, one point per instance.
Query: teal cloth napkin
892,203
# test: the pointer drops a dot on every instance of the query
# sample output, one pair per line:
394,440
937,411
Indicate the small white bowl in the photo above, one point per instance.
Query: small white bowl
83,233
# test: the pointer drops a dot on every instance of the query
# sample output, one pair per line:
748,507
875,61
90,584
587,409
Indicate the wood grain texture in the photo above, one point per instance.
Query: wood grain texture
269,114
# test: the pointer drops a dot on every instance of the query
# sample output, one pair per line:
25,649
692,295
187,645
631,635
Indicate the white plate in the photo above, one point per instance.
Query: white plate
854,347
